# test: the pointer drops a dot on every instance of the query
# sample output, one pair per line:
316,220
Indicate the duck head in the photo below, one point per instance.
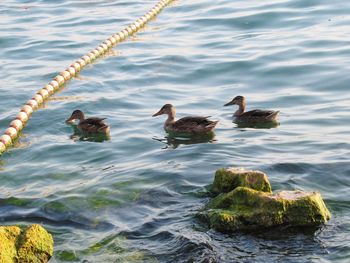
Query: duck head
76,115
166,109
238,100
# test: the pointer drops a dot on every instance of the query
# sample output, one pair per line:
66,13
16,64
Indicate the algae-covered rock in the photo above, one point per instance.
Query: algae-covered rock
248,209
32,245
227,179
8,238
244,201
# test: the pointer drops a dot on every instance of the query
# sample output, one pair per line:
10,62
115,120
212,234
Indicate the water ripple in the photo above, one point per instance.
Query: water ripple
133,198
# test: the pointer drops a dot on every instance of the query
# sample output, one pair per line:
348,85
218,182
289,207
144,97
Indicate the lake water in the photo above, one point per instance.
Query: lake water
133,198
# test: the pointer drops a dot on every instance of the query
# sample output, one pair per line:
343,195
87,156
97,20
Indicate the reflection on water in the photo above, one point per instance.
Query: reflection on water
262,125
79,135
175,140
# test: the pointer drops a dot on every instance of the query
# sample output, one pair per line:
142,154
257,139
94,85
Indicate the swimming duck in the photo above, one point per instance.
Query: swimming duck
253,116
89,125
188,125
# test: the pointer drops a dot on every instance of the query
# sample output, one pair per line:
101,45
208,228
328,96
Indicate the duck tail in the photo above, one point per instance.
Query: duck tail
211,125
104,129
273,116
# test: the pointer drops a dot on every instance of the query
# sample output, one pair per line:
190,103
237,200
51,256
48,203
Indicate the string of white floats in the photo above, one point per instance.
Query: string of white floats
12,132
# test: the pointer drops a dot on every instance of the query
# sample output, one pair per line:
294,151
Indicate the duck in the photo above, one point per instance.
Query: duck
90,125
253,116
191,125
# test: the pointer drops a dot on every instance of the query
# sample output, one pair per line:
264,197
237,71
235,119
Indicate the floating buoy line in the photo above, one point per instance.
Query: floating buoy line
16,125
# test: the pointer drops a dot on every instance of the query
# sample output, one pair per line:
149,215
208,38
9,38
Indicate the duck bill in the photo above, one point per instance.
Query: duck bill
70,119
230,103
158,113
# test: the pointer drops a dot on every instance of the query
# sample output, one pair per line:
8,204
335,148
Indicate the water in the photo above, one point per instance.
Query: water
133,198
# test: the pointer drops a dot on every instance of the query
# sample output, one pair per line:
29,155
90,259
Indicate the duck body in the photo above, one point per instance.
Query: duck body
92,125
253,116
256,116
191,125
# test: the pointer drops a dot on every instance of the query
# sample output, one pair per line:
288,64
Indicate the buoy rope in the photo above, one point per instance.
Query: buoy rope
12,132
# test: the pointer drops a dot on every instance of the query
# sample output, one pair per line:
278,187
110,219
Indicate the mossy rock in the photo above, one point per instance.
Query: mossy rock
248,209
227,179
32,245
8,239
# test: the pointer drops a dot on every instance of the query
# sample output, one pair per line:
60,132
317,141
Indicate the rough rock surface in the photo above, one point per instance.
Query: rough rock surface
227,179
245,202
32,245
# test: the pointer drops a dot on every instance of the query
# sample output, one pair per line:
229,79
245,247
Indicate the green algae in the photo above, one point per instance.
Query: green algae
134,196
56,206
227,179
35,245
111,248
15,201
121,184
8,238
98,202
67,255
244,201
111,243
248,209
311,204
32,245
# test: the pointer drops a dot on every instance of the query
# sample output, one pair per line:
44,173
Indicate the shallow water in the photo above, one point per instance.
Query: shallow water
133,198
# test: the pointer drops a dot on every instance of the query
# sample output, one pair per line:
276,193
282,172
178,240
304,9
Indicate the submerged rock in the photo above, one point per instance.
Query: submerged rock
227,179
240,207
32,245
